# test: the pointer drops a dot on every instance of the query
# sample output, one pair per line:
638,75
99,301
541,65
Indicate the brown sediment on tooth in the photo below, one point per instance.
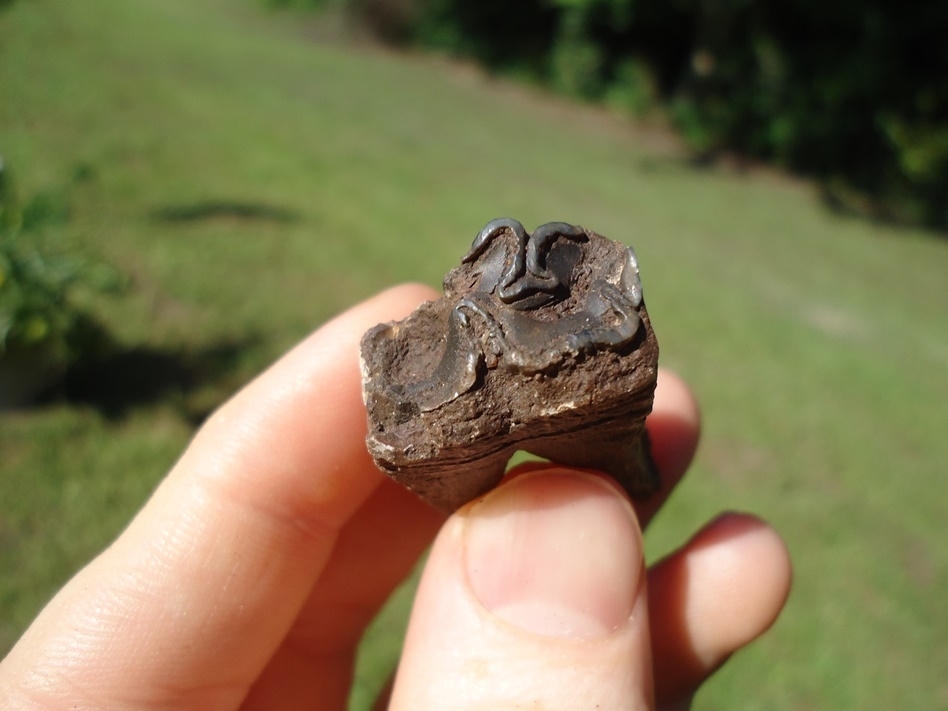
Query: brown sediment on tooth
540,343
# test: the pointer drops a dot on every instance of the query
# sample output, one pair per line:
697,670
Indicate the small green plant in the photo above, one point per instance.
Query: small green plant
39,274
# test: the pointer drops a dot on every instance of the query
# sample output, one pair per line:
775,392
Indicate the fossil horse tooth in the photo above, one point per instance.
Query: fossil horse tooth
540,343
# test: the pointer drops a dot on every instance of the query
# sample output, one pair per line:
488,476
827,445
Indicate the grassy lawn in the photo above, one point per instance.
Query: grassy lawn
253,180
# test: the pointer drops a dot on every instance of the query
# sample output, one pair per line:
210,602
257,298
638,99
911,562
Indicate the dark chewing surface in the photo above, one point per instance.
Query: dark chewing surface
541,343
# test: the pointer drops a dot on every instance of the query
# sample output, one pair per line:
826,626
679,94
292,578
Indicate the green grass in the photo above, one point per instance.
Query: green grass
818,343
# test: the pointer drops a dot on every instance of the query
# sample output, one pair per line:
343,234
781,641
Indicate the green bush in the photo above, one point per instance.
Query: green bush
851,92
40,272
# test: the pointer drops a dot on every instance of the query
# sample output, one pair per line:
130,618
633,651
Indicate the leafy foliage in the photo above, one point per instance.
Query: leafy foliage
39,273
851,92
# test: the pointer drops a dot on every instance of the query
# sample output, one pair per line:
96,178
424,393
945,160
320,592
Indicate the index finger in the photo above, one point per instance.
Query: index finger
187,606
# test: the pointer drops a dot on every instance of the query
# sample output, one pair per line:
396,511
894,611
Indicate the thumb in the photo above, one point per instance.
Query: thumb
533,597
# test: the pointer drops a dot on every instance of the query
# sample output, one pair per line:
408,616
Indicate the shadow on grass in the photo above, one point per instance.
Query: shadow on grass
835,196
196,381
224,209
850,203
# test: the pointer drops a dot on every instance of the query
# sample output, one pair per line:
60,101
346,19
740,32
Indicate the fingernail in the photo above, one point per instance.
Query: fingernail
555,553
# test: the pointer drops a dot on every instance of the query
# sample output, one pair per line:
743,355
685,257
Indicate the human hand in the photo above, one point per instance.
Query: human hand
248,578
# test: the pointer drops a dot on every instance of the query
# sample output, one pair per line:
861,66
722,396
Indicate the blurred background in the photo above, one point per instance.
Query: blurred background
188,187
